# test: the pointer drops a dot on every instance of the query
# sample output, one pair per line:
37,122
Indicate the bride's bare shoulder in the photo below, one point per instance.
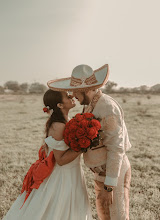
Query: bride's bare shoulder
56,130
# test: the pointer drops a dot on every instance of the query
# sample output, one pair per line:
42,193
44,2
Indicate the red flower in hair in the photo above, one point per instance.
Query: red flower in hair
45,109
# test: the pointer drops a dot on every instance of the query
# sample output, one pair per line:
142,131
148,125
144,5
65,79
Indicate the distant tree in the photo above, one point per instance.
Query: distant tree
1,90
24,87
155,88
125,90
109,87
143,89
135,90
37,88
122,89
12,85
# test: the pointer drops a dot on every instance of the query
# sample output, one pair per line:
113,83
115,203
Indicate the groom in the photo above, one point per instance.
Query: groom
108,161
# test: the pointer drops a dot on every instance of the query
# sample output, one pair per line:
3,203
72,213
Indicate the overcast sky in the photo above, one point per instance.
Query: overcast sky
42,40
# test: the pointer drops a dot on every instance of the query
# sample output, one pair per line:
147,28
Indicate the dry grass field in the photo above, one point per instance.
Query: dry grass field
22,124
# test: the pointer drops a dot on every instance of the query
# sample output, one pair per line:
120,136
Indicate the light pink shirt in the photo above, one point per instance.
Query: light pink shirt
115,138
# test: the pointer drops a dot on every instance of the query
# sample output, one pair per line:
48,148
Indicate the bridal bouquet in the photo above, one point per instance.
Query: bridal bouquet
82,132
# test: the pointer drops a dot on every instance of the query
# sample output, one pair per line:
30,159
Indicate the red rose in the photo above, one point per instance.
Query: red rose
66,132
88,115
84,123
80,133
74,146
68,124
73,127
84,142
95,123
71,121
79,117
92,133
71,137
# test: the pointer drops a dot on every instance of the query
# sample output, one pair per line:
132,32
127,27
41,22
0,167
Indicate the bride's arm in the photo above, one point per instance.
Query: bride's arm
62,157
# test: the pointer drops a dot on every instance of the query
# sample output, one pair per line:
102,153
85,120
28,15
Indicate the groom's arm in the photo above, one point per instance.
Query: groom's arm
114,140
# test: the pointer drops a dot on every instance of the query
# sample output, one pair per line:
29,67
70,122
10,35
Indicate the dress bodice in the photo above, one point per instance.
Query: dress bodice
62,146
54,144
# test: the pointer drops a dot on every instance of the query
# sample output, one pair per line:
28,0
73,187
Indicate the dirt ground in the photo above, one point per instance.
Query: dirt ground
22,123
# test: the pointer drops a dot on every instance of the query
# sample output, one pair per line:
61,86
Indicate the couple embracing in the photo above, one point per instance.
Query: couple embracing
54,187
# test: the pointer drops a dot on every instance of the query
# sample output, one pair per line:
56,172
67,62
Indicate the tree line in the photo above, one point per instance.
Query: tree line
38,88
112,87
24,88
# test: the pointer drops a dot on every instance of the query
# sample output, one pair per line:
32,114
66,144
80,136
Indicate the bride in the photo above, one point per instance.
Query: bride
61,195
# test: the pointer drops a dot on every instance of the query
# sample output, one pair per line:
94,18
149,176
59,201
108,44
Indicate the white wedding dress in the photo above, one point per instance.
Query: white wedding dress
61,196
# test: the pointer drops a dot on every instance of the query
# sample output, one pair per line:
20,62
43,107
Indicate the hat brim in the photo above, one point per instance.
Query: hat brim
63,84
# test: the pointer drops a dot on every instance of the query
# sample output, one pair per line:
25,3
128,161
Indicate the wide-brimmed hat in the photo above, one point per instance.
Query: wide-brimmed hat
83,78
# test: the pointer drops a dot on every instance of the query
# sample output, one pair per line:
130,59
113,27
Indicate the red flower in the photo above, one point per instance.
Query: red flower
74,145
84,123
88,115
71,137
95,123
80,133
92,133
73,128
67,125
84,142
80,130
79,117
72,121
66,132
45,109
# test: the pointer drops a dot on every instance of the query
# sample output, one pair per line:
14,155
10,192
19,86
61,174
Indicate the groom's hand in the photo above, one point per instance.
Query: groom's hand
106,197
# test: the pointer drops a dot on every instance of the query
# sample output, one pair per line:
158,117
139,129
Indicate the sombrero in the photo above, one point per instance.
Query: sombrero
83,78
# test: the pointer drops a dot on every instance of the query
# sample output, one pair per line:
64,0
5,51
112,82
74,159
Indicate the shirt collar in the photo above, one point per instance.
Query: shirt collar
93,102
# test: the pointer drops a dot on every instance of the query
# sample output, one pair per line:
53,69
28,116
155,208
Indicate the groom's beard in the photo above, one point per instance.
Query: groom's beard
85,99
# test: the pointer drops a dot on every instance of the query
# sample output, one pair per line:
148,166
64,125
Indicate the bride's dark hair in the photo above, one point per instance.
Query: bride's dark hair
52,98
